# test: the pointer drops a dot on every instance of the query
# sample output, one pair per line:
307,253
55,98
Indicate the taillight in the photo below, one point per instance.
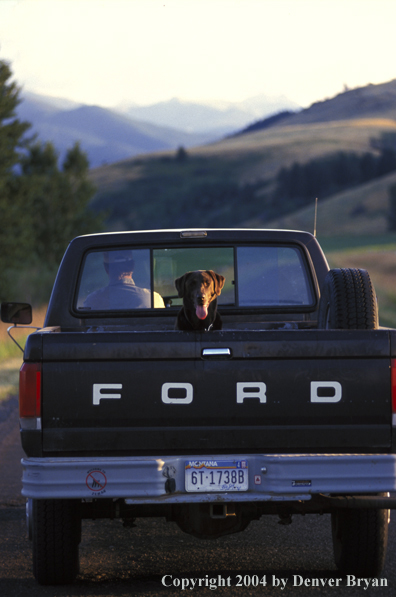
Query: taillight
393,381
30,391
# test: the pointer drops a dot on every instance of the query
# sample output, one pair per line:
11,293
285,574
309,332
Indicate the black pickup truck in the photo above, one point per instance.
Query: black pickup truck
285,410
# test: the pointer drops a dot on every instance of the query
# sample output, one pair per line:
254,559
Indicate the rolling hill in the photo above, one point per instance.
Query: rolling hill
227,183
357,211
372,101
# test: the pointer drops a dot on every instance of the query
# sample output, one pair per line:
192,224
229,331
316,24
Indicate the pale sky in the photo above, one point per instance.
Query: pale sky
107,52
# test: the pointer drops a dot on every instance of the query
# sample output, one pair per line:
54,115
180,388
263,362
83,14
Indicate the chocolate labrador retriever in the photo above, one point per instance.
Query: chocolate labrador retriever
199,291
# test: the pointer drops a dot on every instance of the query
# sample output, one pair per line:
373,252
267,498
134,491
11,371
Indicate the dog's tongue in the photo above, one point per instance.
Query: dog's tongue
201,311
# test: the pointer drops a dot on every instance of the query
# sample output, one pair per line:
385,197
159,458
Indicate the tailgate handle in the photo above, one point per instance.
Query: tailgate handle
216,352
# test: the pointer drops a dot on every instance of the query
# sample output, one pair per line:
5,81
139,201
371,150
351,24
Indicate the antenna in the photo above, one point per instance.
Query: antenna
316,215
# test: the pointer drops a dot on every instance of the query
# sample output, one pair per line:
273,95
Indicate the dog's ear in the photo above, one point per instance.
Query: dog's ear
218,280
180,284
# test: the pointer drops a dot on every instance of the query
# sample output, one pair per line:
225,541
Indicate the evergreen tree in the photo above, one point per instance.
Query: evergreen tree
42,207
57,200
12,130
12,135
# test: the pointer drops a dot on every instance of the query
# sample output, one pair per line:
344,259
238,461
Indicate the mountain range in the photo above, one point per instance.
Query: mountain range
111,135
217,118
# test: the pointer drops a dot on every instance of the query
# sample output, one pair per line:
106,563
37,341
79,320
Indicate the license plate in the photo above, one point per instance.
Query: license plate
216,475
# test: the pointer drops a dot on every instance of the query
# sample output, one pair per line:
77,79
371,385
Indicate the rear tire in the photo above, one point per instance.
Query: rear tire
56,530
348,301
360,539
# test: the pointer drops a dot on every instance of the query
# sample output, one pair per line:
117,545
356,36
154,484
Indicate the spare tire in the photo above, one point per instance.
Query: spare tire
348,301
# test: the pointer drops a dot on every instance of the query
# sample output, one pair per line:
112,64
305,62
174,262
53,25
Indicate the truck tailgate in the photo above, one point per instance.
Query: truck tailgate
242,391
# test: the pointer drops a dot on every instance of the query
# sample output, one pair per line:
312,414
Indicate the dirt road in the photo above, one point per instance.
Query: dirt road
156,558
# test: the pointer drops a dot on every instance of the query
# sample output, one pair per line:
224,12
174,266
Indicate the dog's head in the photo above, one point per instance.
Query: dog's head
198,289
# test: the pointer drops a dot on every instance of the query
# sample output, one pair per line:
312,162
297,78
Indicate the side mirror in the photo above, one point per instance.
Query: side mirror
16,313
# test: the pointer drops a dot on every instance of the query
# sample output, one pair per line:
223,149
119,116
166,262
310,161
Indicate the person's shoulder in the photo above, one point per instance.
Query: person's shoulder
91,298
138,289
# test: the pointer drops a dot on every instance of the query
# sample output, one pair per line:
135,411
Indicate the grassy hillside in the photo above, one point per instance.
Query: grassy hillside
362,210
281,146
372,101
159,191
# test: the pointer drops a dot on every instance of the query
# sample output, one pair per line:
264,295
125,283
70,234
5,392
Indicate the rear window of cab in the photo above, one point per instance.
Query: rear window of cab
129,278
